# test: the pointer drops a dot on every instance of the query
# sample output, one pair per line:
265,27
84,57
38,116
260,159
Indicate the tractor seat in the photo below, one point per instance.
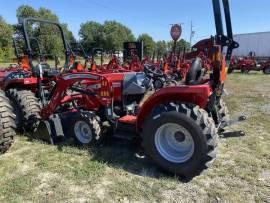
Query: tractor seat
45,67
149,66
194,74
47,71
151,69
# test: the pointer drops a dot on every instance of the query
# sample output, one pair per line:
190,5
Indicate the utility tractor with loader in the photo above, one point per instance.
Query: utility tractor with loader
177,126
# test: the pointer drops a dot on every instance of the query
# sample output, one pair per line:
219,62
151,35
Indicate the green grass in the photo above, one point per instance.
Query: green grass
36,172
4,65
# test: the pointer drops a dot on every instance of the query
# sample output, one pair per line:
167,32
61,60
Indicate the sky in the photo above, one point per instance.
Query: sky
151,16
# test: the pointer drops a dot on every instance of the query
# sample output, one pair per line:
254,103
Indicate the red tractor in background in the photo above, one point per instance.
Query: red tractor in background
247,64
34,80
176,65
243,64
8,119
76,52
177,126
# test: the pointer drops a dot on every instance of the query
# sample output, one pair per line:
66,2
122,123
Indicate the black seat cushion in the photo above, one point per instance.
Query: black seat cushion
194,74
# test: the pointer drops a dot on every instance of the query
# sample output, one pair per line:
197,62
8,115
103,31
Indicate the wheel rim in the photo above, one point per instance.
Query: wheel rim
83,132
174,143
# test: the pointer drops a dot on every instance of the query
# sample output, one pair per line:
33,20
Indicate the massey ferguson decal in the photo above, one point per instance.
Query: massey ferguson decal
83,76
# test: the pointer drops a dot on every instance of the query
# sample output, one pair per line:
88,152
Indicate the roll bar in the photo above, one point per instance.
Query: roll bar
80,47
32,39
26,21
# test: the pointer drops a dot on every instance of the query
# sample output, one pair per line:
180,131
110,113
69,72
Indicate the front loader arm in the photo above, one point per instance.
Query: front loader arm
222,39
67,82
233,44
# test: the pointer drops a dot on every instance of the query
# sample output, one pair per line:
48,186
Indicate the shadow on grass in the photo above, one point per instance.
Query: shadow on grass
123,155
252,72
119,154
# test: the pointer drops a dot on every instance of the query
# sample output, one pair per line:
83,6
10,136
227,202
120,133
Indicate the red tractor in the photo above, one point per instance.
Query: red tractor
19,75
177,126
247,64
265,66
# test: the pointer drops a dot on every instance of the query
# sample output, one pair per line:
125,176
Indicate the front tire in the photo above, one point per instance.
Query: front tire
244,71
189,139
85,129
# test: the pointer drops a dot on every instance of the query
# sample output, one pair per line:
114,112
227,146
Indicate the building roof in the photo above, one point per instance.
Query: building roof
252,33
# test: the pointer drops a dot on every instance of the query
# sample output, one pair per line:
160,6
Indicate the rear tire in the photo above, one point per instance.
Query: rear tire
266,70
230,70
244,71
7,123
12,95
85,129
197,136
29,109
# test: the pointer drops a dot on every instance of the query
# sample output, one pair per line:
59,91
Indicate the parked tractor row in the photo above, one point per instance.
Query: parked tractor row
247,64
176,119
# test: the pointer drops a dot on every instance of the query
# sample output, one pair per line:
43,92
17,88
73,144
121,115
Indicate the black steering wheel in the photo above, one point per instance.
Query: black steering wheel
148,68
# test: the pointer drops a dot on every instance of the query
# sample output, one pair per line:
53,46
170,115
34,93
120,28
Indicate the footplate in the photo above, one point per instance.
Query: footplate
225,123
232,134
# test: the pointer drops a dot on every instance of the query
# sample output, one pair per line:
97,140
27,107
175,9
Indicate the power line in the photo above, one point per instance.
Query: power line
192,32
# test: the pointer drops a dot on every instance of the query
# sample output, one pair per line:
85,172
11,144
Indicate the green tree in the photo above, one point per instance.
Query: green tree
5,40
116,34
110,35
48,35
161,47
148,44
181,44
25,11
92,35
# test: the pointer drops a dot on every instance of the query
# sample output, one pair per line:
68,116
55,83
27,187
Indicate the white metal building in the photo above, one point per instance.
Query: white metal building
253,42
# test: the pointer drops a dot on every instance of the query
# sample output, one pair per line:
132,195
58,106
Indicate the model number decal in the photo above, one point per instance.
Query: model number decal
116,84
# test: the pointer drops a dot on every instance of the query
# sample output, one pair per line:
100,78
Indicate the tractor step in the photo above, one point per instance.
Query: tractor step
124,135
128,119
126,128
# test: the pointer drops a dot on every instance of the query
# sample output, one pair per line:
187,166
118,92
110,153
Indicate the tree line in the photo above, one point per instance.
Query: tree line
110,35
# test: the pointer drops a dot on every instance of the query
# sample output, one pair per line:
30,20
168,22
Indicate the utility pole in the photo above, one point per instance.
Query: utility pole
192,32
